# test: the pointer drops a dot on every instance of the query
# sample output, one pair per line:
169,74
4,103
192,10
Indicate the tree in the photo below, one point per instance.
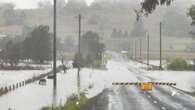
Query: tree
138,29
76,5
45,4
191,13
11,53
69,44
114,33
78,60
91,50
37,46
90,45
11,16
118,33
148,6
126,34
175,23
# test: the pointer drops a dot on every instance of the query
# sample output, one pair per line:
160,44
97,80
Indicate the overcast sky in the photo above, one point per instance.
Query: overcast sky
28,3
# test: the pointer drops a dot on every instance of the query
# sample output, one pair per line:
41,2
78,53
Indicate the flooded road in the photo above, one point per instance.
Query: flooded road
35,96
11,77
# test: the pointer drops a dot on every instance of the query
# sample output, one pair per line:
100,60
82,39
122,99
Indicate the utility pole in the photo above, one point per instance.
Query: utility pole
131,49
54,54
79,52
54,45
140,49
135,49
148,49
160,46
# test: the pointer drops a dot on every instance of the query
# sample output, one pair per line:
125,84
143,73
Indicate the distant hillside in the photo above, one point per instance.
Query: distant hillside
103,18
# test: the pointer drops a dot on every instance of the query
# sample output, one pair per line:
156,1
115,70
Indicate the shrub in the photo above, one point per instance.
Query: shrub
71,103
87,62
178,64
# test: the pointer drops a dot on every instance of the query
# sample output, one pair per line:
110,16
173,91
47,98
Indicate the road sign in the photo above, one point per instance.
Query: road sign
146,86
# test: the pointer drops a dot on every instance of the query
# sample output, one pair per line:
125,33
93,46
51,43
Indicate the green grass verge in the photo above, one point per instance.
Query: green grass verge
108,56
178,64
3,91
71,104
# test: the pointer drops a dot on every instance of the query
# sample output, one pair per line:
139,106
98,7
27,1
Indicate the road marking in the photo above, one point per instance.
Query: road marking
155,101
173,93
149,96
163,108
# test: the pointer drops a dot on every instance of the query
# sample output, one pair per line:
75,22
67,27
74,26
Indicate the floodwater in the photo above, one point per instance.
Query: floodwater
35,96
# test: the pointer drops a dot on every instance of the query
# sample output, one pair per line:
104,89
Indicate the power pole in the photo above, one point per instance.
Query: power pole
54,54
148,49
131,49
140,49
160,46
54,45
135,49
79,52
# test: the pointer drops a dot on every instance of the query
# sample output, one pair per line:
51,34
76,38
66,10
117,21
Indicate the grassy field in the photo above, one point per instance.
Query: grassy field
171,46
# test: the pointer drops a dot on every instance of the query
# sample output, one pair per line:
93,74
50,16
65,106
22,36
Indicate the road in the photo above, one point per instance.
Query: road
109,98
132,98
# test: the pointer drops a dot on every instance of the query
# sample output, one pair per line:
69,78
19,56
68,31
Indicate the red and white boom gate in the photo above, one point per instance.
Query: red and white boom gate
145,86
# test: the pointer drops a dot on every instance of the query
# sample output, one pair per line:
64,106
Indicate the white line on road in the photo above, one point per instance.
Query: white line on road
163,108
155,101
149,96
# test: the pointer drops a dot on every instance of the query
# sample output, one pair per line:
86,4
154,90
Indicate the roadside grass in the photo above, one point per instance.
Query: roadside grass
108,56
178,64
3,91
72,103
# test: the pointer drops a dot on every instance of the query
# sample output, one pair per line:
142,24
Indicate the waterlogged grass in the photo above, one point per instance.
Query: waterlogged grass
3,91
178,64
108,56
72,103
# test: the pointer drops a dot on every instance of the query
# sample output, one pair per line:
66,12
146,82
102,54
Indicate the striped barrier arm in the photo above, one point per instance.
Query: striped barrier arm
140,83
126,83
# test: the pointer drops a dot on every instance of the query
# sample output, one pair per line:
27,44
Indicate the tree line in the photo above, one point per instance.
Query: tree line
36,47
91,51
